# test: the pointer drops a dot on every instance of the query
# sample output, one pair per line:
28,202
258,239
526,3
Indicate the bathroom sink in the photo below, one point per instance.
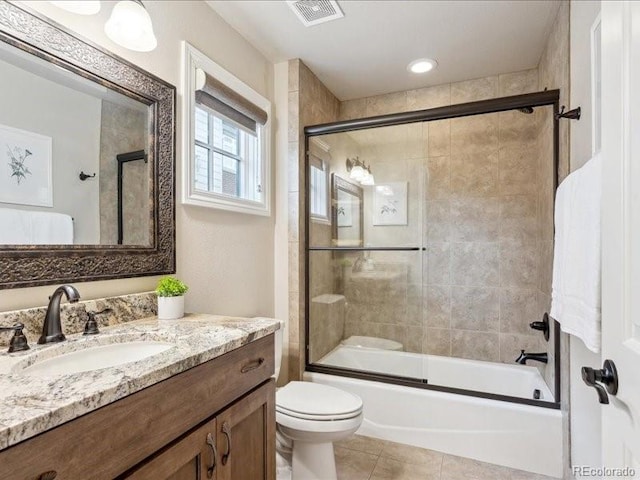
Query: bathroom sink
94,358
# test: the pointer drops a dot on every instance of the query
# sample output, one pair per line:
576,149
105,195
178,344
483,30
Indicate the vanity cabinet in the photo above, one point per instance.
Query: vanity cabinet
221,411
236,444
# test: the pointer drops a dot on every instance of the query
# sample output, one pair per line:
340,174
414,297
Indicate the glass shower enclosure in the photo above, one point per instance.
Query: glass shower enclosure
429,247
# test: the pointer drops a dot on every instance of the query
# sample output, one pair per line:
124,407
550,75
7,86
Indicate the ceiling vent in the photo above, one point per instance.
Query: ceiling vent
314,12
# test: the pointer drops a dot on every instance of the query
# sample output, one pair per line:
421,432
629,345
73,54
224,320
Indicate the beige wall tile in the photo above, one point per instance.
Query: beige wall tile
474,90
475,264
429,97
518,308
294,115
475,134
517,171
519,265
389,103
439,138
438,264
519,218
474,175
518,129
294,75
438,177
475,219
437,341
437,221
475,345
437,306
517,83
352,109
475,308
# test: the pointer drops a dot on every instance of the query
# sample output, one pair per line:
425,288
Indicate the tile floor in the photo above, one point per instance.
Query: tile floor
366,458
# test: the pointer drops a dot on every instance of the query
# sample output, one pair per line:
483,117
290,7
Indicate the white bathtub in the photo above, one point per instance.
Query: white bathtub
504,433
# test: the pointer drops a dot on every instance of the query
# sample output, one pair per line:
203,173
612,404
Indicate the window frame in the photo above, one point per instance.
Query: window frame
193,59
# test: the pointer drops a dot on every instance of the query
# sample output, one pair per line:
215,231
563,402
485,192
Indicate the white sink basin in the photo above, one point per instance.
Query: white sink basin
95,358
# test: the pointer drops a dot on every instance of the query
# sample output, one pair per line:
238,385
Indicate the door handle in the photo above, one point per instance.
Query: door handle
227,433
607,376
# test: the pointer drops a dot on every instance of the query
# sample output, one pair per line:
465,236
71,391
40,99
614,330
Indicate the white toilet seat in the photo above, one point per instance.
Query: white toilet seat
313,401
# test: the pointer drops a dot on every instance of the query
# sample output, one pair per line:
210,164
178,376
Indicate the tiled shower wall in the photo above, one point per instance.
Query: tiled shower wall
481,226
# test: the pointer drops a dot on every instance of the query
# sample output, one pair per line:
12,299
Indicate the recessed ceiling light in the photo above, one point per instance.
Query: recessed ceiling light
422,65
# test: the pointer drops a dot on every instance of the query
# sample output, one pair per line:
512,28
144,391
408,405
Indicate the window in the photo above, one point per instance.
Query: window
226,157
226,139
319,190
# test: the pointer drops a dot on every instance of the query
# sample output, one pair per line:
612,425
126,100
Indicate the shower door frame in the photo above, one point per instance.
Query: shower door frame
502,104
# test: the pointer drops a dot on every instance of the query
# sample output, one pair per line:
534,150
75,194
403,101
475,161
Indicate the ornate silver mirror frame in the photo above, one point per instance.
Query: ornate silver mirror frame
30,265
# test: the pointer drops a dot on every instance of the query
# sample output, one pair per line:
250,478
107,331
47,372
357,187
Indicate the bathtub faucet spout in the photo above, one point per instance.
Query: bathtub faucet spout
538,357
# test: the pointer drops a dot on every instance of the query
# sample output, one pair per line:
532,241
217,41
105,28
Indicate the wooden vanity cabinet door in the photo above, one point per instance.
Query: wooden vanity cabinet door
193,457
246,437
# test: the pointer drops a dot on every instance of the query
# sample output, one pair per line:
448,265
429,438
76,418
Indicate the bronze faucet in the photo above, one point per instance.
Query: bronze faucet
52,328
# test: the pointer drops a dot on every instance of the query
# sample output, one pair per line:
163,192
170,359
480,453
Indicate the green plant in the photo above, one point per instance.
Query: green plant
171,287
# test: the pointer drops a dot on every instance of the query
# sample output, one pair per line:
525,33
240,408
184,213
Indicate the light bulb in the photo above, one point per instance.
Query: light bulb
130,26
368,180
81,7
357,173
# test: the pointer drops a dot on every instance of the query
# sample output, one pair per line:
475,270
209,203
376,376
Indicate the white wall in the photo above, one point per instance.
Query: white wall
585,409
72,120
226,258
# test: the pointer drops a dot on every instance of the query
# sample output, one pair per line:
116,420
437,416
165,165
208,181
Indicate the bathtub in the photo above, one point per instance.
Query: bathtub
514,435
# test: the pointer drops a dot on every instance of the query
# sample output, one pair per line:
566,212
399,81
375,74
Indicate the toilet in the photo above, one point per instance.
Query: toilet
309,418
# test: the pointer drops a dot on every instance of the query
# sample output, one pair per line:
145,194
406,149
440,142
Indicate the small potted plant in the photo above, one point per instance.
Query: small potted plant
170,292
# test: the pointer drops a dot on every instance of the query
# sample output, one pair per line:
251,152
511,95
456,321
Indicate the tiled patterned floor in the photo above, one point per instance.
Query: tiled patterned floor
365,458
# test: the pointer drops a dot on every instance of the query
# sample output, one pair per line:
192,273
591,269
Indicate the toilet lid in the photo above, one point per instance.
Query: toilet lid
316,401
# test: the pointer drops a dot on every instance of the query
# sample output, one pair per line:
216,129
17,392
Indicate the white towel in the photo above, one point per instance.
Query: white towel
576,294
27,227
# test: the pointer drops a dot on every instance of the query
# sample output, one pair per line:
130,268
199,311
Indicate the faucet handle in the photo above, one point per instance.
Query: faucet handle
91,326
18,342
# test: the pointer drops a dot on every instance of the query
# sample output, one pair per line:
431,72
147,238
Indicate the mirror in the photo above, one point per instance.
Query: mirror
86,159
347,207
61,137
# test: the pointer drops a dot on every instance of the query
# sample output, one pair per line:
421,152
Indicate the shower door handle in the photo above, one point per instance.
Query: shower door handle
604,380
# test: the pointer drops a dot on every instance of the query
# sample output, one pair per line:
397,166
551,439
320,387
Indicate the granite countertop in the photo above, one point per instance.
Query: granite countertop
31,404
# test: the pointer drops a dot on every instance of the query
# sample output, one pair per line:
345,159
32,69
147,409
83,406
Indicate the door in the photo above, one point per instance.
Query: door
246,437
621,231
194,457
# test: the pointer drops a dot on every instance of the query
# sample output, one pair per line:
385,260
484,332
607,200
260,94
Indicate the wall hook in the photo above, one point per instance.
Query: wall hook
571,114
83,176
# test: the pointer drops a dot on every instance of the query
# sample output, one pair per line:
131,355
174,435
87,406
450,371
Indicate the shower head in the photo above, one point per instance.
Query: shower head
527,110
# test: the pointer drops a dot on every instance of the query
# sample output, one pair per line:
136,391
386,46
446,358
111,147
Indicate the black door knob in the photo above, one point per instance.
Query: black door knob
603,380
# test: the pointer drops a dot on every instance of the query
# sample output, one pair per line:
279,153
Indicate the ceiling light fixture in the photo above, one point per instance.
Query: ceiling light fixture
422,65
130,26
81,7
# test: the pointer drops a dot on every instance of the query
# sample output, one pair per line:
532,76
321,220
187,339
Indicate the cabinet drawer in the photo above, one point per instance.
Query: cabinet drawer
105,443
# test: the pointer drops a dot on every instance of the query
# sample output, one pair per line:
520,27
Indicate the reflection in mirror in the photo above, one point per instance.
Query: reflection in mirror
347,221
60,137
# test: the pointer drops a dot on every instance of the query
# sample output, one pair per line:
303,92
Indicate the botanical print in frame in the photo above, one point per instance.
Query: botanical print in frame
25,168
390,204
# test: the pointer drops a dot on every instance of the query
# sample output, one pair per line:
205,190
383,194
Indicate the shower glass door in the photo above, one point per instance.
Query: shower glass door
430,252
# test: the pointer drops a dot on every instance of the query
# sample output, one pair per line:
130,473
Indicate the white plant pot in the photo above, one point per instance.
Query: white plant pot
170,308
